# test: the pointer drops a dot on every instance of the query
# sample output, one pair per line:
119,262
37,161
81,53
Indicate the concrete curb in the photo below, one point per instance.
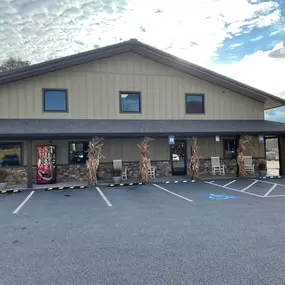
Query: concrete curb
177,181
271,177
10,191
125,184
64,188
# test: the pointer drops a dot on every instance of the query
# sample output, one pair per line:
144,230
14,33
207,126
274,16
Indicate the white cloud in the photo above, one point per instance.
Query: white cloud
42,29
278,51
257,38
258,70
235,45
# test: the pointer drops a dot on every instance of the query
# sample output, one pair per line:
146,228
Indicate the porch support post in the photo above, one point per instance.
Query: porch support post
237,146
29,164
281,143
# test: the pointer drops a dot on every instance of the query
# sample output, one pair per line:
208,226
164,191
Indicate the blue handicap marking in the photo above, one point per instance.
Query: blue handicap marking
219,196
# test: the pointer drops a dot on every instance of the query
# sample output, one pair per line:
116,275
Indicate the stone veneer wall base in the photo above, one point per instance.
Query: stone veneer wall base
78,172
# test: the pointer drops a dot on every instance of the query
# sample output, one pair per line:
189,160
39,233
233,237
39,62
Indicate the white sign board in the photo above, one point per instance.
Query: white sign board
171,140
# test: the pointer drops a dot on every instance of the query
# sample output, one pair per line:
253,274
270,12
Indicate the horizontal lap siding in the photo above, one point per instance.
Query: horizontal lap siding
93,93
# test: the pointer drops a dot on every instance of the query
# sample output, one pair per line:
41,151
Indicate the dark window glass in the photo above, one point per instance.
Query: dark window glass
230,148
130,102
55,100
10,154
195,104
78,152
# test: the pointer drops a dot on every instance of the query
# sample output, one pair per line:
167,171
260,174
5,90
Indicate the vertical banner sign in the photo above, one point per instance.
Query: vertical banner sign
261,139
217,138
171,140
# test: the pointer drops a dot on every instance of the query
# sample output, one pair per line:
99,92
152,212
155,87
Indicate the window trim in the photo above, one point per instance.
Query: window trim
195,94
55,111
120,102
75,142
21,144
223,147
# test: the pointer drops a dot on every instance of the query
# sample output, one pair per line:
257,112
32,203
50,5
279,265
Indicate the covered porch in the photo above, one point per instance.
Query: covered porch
70,137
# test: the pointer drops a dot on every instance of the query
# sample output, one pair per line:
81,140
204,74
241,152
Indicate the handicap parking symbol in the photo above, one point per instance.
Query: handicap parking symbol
219,196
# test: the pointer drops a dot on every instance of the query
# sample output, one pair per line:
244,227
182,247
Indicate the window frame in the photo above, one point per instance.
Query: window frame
55,111
223,146
129,93
195,94
21,144
69,149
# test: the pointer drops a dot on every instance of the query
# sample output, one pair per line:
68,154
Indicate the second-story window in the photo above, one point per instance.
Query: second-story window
55,100
130,102
195,104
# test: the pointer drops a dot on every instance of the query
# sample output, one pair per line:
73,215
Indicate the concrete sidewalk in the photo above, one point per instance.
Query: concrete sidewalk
130,180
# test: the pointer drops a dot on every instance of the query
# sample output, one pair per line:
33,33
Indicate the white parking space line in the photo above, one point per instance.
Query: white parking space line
270,183
273,196
104,197
270,190
170,192
229,183
23,203
244,189
232,189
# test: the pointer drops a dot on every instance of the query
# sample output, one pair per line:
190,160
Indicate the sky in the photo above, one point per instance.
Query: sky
242,39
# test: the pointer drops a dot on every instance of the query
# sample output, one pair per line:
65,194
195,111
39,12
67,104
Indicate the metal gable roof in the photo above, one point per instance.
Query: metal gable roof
269,100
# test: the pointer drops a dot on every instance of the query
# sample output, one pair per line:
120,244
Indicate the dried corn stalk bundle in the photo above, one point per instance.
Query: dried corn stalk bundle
144,146
245,142
194,162
94,156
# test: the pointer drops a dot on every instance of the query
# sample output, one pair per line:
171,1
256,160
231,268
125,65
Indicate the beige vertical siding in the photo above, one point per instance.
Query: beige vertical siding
127,149
93,93
61,150
209,147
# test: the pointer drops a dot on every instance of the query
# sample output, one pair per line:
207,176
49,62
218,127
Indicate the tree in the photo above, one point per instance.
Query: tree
13,63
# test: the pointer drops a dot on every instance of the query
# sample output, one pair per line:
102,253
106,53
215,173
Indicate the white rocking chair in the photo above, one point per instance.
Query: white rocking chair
217,167
248,166
118,165
151,169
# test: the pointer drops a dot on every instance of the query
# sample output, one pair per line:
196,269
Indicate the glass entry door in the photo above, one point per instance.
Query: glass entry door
179,158
272,155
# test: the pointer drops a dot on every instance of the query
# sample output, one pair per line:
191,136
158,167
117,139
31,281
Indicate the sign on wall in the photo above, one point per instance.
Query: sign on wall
261,139
217,138
171,140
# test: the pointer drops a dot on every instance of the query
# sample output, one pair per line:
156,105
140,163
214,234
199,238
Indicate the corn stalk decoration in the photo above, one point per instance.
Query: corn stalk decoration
194,161
144,146
245,142
94,156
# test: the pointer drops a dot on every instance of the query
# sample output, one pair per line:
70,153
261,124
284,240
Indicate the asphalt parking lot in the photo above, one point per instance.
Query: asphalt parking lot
220,232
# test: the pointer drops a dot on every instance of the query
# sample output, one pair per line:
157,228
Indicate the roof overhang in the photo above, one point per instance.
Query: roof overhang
79,128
